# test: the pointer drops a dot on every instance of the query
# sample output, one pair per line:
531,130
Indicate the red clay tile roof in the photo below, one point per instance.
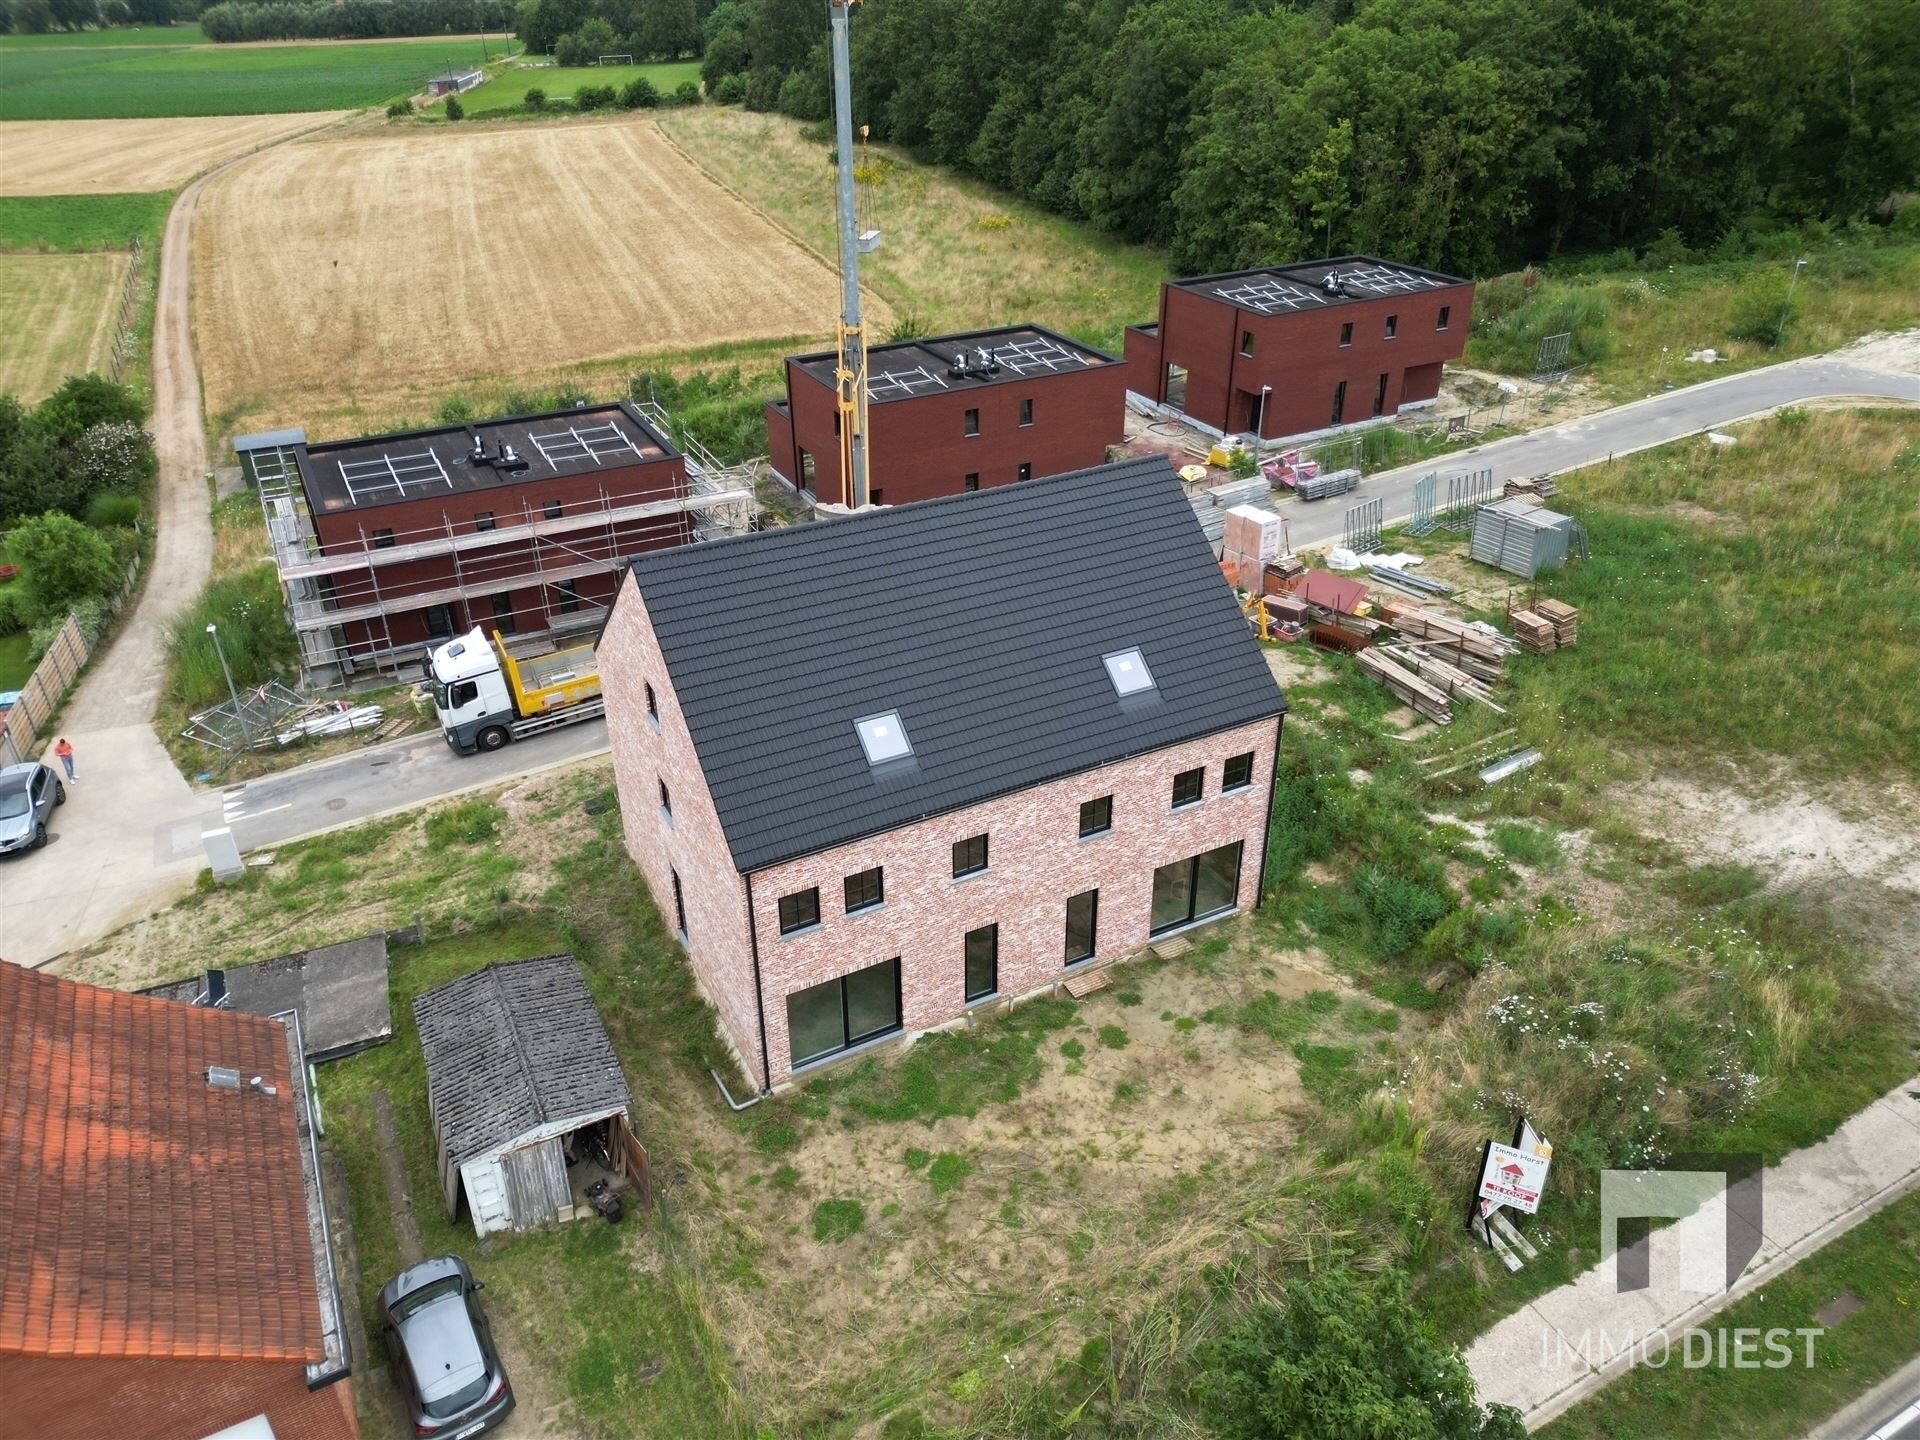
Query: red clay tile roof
145,1212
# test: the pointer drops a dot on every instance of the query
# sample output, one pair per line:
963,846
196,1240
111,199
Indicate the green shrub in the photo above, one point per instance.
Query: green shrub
254,634
84,401
837,1220
1400,907
61,563
1527,844
640,94
1113,1037
107,511
732,90
13,610
455,110
595,97
947,1171
535,99
686,93
400,109
918,1159
468,823
1762,310
1511,343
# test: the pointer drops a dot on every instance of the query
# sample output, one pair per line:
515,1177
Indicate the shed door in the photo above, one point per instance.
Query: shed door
487,1198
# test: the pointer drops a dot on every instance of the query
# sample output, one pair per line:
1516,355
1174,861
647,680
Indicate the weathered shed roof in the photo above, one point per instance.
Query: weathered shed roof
514,1048
340,992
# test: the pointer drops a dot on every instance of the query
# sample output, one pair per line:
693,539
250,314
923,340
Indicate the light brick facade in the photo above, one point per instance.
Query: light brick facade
1036,860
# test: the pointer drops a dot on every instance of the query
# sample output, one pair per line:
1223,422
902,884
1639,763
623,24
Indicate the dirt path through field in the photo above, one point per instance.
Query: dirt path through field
128,837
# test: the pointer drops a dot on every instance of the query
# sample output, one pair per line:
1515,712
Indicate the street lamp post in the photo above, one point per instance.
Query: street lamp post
233,694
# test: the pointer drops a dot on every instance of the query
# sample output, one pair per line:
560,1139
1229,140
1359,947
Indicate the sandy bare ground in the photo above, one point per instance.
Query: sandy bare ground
342,269
60,313
118,157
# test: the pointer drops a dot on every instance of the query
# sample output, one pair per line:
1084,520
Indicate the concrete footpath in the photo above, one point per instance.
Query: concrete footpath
1570,1342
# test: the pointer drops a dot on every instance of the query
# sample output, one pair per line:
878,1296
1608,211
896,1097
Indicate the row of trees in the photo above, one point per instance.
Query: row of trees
235,20
577,32
41,17
71,472
1467,134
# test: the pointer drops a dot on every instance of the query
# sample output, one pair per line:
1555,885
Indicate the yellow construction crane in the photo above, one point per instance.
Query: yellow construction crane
850,368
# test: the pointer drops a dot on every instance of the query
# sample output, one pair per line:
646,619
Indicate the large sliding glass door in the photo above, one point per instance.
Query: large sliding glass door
1192,889
843,1012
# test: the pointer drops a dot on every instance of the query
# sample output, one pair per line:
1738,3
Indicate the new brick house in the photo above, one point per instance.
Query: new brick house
1007,738
1295,349
167,1266
953,413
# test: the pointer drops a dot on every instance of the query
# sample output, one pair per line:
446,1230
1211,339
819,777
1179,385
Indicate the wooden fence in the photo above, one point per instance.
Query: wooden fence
23,726
129,315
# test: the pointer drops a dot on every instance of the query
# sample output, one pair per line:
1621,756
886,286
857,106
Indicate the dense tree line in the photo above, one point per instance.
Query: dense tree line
1465,134
576,32
235,20
41,17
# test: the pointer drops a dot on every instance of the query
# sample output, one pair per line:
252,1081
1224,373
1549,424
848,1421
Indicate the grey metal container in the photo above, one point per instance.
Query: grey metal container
1520,538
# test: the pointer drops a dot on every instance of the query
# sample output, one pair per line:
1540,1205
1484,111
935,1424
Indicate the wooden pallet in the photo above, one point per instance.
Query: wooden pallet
1081,986
1172,949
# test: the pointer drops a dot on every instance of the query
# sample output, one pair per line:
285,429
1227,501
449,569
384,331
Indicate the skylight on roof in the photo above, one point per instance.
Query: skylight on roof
1127,669
883,737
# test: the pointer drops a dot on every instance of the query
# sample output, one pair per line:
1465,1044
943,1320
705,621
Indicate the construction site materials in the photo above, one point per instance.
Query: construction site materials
1281,574
1333,593
1405,580
273,714
1520,538
1469,638
1566,619
1347,637
1210,506
1448,678
1511,765
1254,533
1538,485
1535,634
1321,487
1410,689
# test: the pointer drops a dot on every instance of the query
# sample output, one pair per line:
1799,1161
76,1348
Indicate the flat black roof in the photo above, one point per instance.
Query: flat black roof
1317,284
984,622
908,368
425,464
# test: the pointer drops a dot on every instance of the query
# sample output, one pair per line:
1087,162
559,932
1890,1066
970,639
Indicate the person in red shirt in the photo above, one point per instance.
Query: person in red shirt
65,751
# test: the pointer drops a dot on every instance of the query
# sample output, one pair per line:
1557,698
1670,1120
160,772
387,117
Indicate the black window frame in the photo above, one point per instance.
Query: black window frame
1101,806
1380,393
1026,470
666,797
793,917
503,620
964,863
1194,779
1026,411
445,612
679,902
1246,343
848,1040
969,993
854,890
383,539
1092,926
970,424
1194,915
1339,403
653,704
1393,326
569,596
1446,317
553,509
971,483
1245,763
877,497
485,515
1346,335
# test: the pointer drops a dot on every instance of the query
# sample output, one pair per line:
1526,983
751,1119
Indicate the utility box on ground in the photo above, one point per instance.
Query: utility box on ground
1520,538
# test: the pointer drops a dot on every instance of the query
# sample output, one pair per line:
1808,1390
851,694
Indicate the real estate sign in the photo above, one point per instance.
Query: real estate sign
1513,1177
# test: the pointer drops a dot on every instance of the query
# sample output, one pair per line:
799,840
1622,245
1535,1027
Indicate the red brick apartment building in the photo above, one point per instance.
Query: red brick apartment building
953,413
391,543
1293,349
167,1270
1021,733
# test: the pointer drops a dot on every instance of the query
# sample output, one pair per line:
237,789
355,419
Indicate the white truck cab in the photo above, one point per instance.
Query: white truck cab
470,695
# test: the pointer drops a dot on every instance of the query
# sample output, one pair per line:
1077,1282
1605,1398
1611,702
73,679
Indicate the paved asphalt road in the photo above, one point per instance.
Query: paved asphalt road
395,776
1620,431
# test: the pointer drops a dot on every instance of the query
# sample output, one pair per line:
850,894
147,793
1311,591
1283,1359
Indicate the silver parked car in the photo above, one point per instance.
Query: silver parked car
442,1350
28,793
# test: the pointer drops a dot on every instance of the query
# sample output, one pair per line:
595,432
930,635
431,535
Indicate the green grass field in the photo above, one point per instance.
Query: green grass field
110,82
133,35
80,222
508,90
14,665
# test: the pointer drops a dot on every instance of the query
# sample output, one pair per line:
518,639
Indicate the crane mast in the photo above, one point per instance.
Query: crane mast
850,371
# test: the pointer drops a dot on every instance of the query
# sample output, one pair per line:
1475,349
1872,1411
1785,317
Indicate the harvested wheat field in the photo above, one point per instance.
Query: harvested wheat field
60,313
128,157
334,274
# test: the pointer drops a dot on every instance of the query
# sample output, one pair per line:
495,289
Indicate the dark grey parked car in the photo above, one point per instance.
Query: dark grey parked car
442,1350
28,793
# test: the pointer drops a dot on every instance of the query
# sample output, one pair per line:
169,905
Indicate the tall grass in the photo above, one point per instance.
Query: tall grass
254,634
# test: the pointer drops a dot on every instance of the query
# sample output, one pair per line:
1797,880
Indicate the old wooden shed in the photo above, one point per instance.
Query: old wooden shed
517,1062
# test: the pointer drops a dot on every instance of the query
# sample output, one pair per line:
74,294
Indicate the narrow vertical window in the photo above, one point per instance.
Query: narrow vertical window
982,949
1346,333
1083,916
973,480
1393,324
679,903
1246,342
972,422
653,707
1446,314
1026,412
1026,470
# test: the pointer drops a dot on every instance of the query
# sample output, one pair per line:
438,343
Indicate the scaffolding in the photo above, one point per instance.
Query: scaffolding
341,599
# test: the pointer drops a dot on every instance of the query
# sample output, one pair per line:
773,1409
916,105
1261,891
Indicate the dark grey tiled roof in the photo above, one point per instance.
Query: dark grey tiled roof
514,1047
980,618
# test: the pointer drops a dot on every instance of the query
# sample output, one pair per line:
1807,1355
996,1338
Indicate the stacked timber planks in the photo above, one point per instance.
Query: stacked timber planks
1565,619
1443,675
1537,486
1320,487
1410,689
1478,641
1534,632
